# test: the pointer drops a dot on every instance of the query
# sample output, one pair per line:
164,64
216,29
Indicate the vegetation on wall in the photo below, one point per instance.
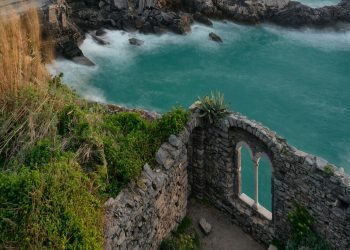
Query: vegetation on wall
212,108
303,236
184,238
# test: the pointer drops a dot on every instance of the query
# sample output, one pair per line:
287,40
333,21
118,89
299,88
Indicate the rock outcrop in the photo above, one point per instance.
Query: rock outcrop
66,21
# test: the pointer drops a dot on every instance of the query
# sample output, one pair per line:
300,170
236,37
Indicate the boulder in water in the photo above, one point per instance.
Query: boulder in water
215,37
99,40
100,32
136,42
83,61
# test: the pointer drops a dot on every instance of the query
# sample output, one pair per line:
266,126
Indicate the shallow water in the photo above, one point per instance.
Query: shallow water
295,82
319,3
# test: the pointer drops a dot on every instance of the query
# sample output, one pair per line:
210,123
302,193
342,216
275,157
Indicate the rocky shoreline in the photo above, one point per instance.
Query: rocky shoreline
67,21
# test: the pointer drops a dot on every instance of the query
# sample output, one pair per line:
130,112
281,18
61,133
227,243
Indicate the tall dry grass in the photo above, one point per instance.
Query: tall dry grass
26,107
20,53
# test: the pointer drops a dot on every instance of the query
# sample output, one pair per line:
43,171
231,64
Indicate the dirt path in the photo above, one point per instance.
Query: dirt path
224,234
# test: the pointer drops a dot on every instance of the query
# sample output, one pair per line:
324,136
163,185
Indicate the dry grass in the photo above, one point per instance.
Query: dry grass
20,53
26,107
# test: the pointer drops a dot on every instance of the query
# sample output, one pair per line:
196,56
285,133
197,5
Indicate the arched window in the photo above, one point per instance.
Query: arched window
264,185
254,184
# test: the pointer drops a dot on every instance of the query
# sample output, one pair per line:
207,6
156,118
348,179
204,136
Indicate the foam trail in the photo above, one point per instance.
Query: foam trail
323,40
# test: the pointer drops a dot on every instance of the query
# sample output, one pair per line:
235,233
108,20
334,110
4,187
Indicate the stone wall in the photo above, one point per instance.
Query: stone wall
297,178
145,213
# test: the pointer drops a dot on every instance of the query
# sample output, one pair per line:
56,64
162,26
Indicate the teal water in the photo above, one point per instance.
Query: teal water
295,82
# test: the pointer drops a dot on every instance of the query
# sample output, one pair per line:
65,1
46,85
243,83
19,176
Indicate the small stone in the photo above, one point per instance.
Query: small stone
174,141
136,42
215,37
205,226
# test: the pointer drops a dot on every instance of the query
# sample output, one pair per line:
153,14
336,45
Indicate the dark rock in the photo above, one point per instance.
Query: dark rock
202,19
139,22
215,37
147,28
136,42
100,32
83,61
158,30
181,24
99,40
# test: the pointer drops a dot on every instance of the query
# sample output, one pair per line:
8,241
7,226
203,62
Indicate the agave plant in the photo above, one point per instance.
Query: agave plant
213,107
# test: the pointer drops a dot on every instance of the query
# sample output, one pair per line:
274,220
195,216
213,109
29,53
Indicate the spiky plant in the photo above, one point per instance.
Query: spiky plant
213,107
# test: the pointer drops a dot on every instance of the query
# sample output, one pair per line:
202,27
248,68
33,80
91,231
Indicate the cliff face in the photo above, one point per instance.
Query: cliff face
66,21
58,26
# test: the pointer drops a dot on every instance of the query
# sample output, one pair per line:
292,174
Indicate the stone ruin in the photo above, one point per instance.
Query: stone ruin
205,161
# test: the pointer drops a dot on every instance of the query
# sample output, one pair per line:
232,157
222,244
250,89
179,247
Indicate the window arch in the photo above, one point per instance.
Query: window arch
264,183
246,169
251,169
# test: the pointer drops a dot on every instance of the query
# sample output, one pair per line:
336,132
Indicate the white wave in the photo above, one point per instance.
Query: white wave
121,52
324,40
77,76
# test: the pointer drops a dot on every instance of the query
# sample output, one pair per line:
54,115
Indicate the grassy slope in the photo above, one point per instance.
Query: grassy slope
61,157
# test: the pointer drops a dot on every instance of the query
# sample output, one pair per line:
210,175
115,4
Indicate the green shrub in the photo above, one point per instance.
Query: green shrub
125,121
50,208
171,122
42,153
72,120
301,221
329,170
212,108
181,242
302,235
309,241
184,225
184,238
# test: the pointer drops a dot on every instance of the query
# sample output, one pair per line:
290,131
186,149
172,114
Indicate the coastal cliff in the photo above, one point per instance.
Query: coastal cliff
67,21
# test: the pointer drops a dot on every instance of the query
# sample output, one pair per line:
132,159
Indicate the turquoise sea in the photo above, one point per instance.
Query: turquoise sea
296,82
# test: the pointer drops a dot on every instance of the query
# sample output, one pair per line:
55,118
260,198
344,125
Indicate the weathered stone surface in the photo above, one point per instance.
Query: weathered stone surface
205,226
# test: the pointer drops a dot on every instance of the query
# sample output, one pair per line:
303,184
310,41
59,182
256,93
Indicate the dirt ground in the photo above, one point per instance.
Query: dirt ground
224,234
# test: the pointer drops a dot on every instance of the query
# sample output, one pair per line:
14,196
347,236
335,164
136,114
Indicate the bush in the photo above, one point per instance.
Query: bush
125,121
301,221
171,122
49,208
72,120
42,153
131,142
302,235
212,108
184,238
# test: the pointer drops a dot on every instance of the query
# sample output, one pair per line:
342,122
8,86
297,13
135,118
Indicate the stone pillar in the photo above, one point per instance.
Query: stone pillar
197,163
256,183
238,169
